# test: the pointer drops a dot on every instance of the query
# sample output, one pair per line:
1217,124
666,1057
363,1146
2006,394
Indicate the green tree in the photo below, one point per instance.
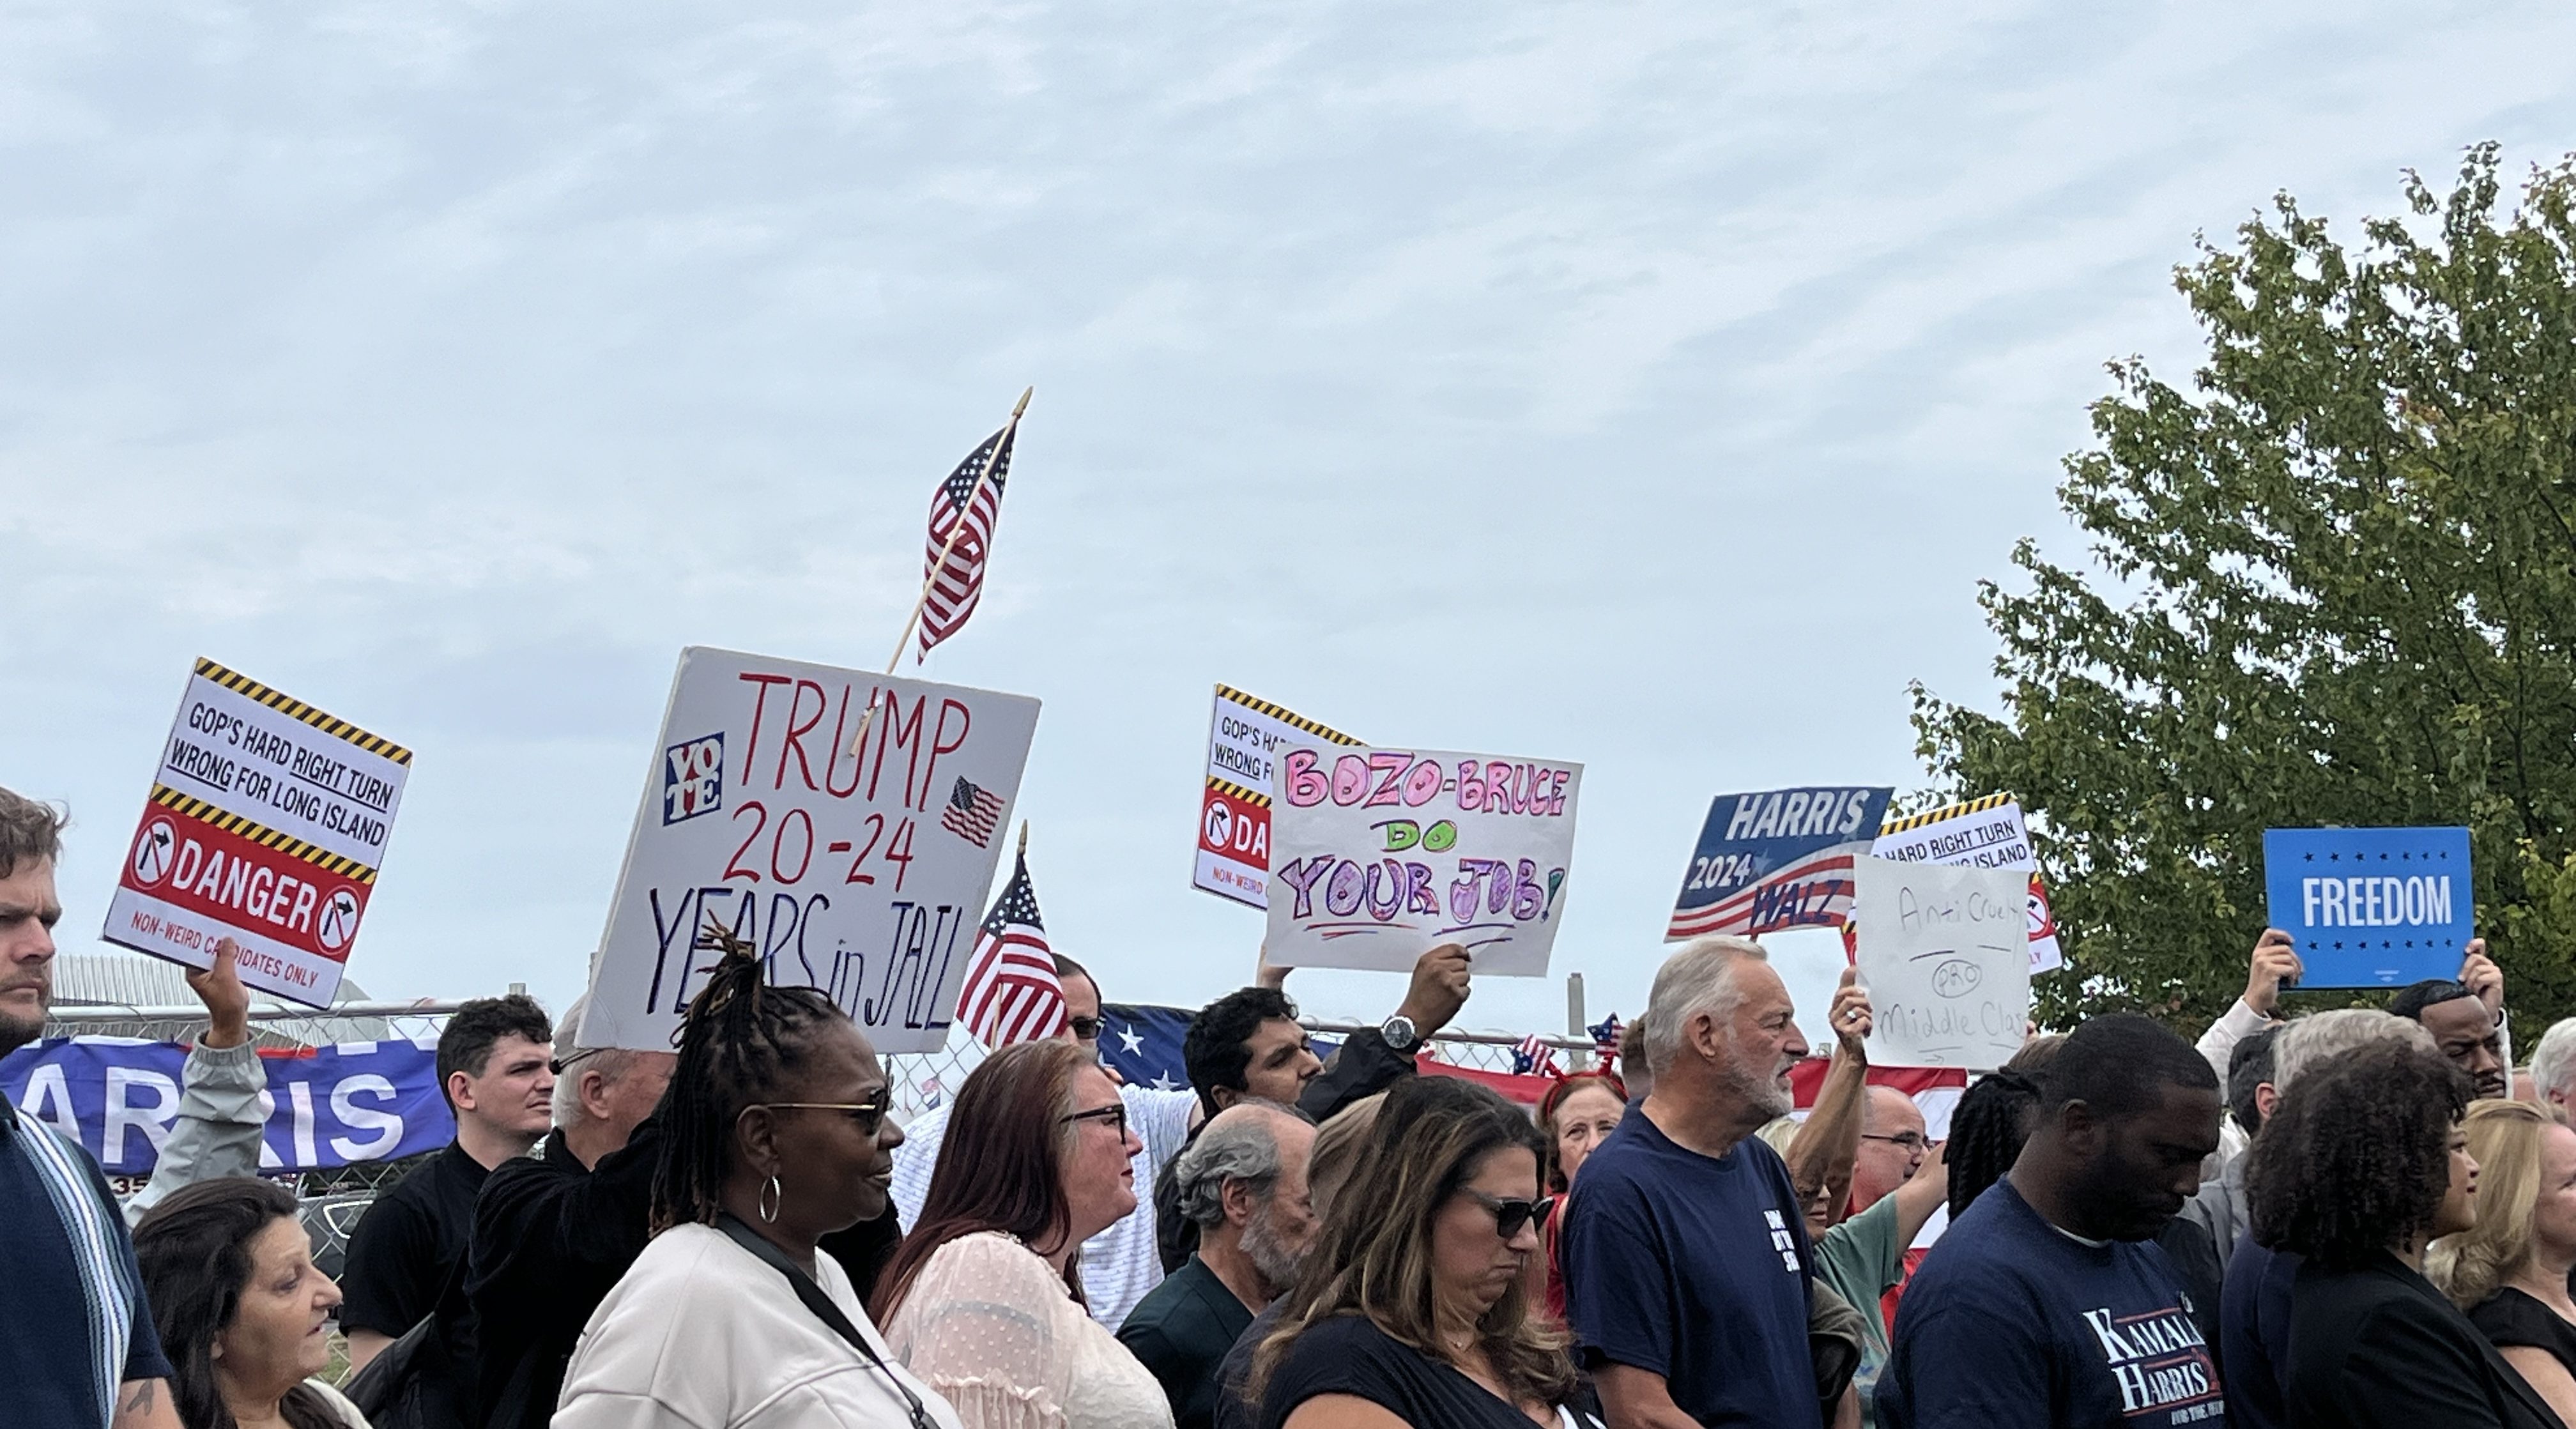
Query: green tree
2334,582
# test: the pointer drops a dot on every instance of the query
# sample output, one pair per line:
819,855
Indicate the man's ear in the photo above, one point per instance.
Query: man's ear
460,1091
590,1093
1239,1201
2266,1099
1225,1097
2084,1133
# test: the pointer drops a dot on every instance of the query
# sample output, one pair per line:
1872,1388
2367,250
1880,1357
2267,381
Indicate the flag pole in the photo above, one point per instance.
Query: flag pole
956,529
1024,839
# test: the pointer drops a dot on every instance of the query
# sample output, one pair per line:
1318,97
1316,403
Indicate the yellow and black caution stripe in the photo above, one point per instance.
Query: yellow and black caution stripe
1292,720
1934,816
1239,794
261,834
242,684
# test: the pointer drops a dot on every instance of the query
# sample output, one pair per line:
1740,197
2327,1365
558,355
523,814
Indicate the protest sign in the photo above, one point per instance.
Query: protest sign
1780,859
267,824
1381,854
860,873
326,1107
1944,950
1244,735
1982,833
2371,907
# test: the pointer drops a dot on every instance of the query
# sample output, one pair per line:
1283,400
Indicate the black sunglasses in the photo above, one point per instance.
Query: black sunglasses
1085,1029
1511,1215
870,1114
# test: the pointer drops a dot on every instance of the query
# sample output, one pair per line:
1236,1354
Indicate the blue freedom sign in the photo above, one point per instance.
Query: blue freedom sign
2371,907
1777,859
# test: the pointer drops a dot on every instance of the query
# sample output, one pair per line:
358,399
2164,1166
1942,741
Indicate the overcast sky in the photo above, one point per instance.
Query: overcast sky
1643,385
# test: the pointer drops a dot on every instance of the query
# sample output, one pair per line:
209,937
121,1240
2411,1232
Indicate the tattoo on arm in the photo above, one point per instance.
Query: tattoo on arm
141,1403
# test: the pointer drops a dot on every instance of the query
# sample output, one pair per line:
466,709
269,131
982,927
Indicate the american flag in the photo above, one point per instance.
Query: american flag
971,813
1533,1057
967,506
1011,993
1605,1037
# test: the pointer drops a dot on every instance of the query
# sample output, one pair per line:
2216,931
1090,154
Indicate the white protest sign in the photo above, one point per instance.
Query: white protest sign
1378,855
1982,833
267,823
861,875
1244,735
1944,952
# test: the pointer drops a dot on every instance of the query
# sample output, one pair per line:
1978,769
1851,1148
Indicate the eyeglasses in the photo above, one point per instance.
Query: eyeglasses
1511,1215
560,1065
1115,1117
1085,1029
1906,1141
870,1114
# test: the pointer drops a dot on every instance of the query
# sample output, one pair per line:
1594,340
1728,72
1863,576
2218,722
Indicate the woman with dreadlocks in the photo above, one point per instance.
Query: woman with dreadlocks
774,1135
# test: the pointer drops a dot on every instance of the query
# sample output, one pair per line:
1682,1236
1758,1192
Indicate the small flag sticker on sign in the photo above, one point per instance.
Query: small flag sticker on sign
971,814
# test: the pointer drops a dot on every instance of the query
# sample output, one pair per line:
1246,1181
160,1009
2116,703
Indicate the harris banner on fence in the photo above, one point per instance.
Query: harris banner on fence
327,1106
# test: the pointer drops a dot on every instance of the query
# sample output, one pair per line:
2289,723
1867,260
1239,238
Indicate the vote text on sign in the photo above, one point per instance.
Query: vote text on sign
862,875
2371,907
267,824
1378,855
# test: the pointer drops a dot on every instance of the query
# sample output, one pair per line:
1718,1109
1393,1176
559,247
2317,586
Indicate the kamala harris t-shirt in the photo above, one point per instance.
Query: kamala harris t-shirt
2014,1324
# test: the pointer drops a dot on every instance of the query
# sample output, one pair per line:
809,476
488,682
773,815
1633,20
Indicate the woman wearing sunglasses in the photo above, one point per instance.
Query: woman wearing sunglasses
984,1300
774,1135
1412,1308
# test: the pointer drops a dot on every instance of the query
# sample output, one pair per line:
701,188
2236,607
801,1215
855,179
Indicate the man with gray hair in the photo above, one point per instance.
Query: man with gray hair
1243,1184
554,1232
2254,1307
2553,1065
1685,1253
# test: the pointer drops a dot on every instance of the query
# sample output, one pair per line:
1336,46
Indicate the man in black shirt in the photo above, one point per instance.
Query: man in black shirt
493,1066
554,1232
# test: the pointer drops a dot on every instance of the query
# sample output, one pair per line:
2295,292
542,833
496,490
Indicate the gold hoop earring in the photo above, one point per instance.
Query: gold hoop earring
772,1196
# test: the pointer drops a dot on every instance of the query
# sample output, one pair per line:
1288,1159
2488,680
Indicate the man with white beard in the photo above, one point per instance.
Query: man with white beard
1243,1184
1685,1252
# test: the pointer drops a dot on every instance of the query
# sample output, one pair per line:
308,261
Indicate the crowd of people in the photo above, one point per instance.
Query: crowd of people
2354,1217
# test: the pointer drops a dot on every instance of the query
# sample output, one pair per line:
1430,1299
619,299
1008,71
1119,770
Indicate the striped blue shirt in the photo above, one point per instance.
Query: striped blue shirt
72,1319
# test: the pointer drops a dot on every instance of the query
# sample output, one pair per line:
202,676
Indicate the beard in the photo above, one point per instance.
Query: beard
1270,1252
1765,1090
17,1031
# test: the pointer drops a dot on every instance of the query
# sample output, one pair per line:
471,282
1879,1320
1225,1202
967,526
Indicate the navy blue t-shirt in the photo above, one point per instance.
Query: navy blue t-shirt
2254,1334
1695,1268
2011,1323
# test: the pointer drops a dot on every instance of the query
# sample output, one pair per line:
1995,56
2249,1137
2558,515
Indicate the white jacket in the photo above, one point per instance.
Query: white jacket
700,1334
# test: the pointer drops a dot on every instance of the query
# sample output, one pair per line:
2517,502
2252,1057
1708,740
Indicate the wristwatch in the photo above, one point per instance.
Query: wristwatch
1399,1033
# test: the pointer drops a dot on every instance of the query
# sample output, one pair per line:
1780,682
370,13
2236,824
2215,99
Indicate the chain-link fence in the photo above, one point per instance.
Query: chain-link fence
921,1080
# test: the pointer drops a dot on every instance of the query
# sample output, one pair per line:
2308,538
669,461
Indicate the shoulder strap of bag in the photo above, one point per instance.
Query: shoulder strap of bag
806,1290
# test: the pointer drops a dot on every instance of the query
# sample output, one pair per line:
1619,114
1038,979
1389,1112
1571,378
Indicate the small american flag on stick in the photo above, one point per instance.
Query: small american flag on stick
972,812
962,513
1533,1057
1011,993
